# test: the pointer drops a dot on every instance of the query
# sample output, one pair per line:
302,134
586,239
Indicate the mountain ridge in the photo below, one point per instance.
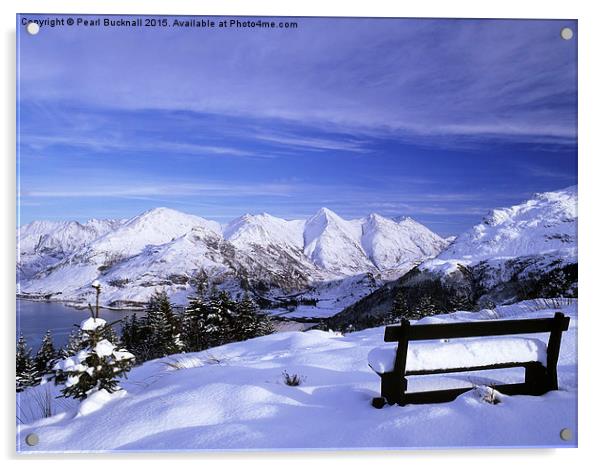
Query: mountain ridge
259,254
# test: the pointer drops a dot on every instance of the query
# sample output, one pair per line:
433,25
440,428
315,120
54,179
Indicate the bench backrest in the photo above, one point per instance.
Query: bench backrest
474,329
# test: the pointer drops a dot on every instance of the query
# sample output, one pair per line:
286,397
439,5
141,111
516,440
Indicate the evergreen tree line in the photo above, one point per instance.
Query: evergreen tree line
207,321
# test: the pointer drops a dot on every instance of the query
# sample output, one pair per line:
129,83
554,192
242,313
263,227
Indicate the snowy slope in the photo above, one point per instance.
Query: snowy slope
265,229
153,227
547,223
268,256
396,245
233,397
44,243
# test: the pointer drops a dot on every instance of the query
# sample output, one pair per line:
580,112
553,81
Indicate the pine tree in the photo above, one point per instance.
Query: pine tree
194,319
46,355
135,336
164,337
96,363
250,320
97,366
459,302
26,372
74,343
426,306
23,354
400,307
29,377
556,284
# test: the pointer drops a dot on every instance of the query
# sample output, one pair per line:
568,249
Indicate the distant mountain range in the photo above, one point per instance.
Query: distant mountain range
312,267
521,252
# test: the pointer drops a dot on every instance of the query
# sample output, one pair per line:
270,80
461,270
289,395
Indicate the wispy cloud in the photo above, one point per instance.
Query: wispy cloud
411,77
318,144
131,189
113,144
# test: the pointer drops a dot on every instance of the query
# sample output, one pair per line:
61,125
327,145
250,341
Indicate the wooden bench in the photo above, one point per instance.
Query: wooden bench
539,377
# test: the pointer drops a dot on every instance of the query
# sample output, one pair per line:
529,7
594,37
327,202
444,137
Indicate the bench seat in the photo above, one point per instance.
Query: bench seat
459,354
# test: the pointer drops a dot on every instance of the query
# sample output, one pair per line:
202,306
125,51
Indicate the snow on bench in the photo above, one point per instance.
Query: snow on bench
454,354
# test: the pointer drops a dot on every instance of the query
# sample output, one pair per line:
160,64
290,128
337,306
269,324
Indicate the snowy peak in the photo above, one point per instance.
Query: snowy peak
62,236
547,222
265,229
167,218
326,220
334,244
398,245
153,227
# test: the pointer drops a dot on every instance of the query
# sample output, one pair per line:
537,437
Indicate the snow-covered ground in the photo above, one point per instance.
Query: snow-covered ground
234,397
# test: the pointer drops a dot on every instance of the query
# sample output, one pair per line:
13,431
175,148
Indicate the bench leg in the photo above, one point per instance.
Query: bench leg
537,379
393,388
552,379
378,402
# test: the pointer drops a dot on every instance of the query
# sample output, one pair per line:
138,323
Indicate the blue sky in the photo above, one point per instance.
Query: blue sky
439,120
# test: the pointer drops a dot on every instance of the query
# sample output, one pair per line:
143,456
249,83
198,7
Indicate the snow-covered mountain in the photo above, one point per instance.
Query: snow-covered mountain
43,243
389,243
286,262
335,244
547,223
516,253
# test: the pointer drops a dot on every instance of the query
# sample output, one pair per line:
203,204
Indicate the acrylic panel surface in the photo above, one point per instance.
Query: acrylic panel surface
219,216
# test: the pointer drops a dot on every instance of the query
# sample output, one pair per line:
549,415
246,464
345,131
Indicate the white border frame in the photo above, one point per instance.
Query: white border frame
590,154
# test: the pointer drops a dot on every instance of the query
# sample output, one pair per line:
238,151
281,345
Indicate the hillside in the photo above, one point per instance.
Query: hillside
234,397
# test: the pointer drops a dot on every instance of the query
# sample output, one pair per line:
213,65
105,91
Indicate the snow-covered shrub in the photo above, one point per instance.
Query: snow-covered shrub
96,366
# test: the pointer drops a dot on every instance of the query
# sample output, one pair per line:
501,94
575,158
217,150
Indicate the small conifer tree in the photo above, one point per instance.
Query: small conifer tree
194,333
251,321
74,343
97,364
164,337
46,355
26,372
426,306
